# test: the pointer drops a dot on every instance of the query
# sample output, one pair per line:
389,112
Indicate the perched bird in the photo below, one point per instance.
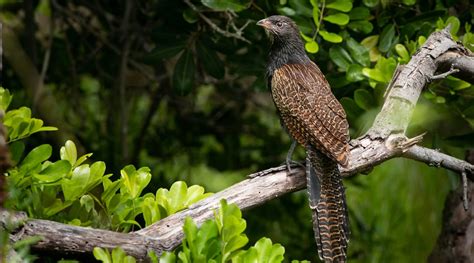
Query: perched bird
315,119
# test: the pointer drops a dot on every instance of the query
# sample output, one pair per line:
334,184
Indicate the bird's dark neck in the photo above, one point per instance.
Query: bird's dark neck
289,51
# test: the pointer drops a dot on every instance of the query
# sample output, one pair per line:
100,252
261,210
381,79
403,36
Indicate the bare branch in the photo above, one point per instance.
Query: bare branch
438,159
460,59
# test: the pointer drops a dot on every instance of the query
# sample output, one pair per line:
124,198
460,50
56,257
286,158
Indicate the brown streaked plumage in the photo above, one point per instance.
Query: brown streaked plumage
315,119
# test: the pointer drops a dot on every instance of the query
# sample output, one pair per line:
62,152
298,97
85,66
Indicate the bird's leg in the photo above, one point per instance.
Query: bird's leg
288,160
289,154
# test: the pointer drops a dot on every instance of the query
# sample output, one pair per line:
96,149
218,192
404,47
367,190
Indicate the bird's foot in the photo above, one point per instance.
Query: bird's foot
290,163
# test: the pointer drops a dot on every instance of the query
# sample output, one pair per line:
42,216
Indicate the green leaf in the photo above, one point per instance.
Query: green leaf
228,5
5,99
262,251
35,157
364,99
358,52
82,159
231,226
350,106
16,150
57,206
371,3
359,13
340,57
134,181
190,16
455,24
403,53
338,19
183,75
361,26
316,16
77,184
440,100
341,5
330,37
87,202
312,47
118,254
370,41
456,84
302,7
168,257
54,172
354,73
96,173
209,59
164,51
383,70
286,11
69,152
102,255
387,38
151,212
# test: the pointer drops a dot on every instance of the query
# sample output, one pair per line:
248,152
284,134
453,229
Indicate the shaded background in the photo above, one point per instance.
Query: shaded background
152,83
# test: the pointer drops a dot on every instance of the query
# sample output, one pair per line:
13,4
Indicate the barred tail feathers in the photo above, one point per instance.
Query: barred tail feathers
328,205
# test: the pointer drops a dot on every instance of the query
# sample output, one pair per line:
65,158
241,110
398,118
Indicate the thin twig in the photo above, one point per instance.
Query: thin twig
237,34
465,201
438,159
445,74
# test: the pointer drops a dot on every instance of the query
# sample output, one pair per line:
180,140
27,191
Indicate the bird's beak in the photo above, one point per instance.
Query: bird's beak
264,23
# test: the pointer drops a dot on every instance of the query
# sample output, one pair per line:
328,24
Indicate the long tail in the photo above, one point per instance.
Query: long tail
328,204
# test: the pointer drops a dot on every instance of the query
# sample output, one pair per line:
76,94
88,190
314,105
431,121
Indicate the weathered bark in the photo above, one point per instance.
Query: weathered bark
386,139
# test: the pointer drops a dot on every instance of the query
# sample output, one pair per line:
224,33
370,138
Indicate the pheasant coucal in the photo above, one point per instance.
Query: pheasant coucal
315,119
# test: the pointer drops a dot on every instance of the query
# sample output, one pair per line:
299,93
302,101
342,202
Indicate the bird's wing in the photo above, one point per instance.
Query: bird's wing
310,111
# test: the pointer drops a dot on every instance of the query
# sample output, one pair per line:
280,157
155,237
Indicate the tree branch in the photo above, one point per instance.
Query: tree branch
438,159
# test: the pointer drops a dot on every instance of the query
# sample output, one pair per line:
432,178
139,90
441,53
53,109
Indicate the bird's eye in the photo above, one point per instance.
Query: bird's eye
279,24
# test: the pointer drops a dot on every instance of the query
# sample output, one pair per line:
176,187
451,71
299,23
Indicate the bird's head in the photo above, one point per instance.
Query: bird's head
280,27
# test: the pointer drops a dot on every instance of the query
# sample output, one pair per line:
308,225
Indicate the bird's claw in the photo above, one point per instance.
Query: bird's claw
290,163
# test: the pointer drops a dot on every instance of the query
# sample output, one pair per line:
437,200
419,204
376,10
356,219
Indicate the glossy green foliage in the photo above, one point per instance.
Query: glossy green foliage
262,251
167,202
19,122
222,240
73,191
217,240
117,256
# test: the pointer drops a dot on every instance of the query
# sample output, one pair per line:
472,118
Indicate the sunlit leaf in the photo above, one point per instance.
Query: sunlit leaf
330,37
341,5
338,19
312,47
